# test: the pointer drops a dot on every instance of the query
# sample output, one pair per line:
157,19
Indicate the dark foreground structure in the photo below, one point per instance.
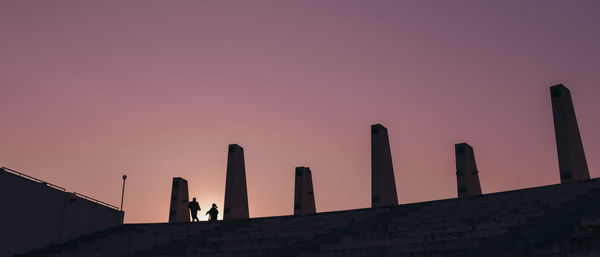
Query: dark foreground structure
35,213
556,220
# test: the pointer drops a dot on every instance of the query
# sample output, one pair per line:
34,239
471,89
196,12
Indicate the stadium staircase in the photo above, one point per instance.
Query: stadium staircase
556,220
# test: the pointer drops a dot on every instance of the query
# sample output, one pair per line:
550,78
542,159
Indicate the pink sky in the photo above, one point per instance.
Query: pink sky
157,89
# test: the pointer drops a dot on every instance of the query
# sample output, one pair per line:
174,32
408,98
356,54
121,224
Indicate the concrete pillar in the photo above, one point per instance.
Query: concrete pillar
383,185
236,194
179,201
571,158
304,197
467,175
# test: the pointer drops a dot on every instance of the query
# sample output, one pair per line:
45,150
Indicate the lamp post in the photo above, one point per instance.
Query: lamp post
123,192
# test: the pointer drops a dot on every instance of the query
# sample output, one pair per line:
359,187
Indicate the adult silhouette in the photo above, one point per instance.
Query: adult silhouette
194,208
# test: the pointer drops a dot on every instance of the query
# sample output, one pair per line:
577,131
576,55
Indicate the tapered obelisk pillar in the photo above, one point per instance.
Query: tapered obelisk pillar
236,194
304,197
383,185
179,201
467,175
571,158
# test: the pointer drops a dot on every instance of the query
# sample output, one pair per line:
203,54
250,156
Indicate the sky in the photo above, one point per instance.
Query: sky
92,90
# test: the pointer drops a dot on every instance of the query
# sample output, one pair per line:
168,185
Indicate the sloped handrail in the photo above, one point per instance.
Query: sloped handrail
34,179
57,187
96,200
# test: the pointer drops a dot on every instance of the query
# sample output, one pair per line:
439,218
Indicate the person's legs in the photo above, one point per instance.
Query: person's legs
195,216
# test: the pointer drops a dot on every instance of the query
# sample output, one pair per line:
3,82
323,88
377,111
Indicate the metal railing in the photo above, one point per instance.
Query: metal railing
58,187
96,200
34,179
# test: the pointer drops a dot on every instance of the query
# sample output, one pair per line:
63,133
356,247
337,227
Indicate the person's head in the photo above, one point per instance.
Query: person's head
194,199
214,205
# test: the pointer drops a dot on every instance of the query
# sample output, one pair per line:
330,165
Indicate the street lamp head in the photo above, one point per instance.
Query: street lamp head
124,177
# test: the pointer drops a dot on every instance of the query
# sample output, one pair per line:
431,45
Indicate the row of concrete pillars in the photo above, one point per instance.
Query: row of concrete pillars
236,193
571,159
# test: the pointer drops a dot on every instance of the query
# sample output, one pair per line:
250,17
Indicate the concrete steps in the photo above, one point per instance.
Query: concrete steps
557,220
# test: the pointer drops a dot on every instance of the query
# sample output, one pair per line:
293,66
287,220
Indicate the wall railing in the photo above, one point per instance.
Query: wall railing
57,187
33,179
96,201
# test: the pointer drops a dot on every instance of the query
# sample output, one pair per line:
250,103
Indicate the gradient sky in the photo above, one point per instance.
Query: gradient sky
157,89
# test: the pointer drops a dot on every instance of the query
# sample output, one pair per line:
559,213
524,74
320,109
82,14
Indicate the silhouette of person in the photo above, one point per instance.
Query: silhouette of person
213,212
194,208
